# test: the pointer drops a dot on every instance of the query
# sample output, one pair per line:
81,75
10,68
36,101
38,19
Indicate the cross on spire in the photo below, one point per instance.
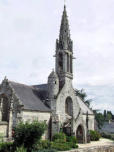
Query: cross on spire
64,2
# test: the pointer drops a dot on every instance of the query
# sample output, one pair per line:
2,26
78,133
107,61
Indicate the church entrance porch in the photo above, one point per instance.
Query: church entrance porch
80,134
67,131
5,116
67,128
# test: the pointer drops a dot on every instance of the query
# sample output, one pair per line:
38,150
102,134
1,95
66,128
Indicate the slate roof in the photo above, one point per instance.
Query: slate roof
42,91
108,127
30,97
41,86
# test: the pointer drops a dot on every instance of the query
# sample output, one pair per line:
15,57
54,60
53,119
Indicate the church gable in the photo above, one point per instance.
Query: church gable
85,109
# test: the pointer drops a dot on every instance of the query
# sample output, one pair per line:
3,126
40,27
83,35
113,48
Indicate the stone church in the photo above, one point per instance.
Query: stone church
56,102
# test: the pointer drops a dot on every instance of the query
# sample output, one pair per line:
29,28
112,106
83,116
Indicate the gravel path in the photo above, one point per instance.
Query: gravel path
101,142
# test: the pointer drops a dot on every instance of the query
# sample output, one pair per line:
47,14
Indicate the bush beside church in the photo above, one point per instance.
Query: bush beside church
27,137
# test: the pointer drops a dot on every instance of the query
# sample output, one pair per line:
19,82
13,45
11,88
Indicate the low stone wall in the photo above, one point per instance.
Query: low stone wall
3,129
96,149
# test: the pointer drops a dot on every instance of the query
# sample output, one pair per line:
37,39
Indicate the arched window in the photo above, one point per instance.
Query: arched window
69,106
70,63
61,61
5,109
67,62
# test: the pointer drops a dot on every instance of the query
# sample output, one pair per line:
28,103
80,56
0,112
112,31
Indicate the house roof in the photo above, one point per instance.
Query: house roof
108,127
30,97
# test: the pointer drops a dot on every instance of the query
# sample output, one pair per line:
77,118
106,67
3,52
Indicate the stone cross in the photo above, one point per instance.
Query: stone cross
64,2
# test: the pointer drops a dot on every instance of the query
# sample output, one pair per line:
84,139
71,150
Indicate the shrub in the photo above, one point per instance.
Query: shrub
6,147
47,150
72,145
94,135
59,137
71,139
27,134
63,142
43,144
107,135
46,144
21,149
59,143
61,146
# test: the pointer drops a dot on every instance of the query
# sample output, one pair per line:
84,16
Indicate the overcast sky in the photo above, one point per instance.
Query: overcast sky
28,31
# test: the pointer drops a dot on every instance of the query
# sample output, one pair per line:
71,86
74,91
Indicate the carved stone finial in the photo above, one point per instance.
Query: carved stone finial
5,78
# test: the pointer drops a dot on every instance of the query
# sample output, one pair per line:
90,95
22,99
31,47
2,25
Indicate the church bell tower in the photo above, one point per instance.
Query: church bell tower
64,52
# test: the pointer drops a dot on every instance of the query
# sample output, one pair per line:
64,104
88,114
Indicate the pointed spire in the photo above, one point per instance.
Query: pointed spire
64,36
64,29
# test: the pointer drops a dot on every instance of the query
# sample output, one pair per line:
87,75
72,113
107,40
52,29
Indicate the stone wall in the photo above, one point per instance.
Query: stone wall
3,129
67,91
35,115
90,121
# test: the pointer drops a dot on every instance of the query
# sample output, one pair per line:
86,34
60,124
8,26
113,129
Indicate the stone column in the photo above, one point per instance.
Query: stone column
1,103
10,119
55,124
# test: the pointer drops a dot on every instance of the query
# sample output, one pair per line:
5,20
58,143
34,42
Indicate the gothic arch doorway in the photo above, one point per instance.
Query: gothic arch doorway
5,111
67,127
80,134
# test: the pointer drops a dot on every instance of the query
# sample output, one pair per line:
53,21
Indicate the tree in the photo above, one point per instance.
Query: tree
88,102
81,93
112,117
109,115
105,114
100,119
28,134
